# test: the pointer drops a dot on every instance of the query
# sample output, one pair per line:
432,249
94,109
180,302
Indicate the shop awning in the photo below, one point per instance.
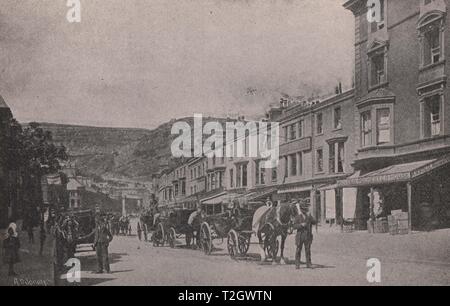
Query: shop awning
295,189
260,195
220,198
395,174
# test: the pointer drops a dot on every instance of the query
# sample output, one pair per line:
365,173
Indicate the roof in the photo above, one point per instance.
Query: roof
3,103
376,95
73,184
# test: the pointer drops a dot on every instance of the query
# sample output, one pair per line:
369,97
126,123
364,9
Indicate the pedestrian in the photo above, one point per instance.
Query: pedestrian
103,238
11,246
303,223
144,229
139,231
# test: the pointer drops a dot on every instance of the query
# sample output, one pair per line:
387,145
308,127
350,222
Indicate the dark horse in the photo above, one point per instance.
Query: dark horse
276,222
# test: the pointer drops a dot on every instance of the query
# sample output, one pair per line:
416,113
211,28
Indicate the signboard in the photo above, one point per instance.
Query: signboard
375,180
295,146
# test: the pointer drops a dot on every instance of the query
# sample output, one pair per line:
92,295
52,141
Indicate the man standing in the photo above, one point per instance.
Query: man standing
303,223
102,240
139,231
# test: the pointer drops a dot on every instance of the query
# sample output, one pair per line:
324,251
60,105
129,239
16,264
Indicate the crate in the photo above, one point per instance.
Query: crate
381,226
393,229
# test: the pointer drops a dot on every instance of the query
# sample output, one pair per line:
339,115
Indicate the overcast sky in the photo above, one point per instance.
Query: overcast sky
139,63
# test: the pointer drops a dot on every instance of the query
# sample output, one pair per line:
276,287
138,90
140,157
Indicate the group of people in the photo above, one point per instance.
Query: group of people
119,225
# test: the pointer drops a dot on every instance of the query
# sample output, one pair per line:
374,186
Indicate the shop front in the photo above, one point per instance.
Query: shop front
420,191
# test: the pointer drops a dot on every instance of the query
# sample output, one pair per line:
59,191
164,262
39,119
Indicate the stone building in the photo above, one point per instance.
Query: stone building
402,123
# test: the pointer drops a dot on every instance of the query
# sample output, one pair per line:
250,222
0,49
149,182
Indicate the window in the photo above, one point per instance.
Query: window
274,174
340,157
293,158
432,116
319,160
286,167
176,189
377,73
319,123
220,180
232,178
293,132
366,129
300,163
263,176
257,170
383,126
285,133
432,45
238,177
332,159
337,118
301,129
244,175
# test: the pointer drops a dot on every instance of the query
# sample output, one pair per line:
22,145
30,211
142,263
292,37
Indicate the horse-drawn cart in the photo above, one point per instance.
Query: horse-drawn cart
176,226
234,226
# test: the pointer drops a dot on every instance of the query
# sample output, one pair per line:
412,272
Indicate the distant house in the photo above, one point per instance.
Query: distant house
75,190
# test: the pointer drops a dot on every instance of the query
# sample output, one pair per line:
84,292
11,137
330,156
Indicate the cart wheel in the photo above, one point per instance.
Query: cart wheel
188,239
271,243
244,243
206,238
232,244
171,237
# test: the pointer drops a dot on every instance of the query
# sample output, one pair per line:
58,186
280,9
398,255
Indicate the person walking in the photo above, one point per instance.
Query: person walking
303,223
11,246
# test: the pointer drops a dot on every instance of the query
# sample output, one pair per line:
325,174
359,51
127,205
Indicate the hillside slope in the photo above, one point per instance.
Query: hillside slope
118,152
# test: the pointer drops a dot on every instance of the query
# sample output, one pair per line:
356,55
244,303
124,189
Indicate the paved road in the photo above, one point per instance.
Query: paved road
340,259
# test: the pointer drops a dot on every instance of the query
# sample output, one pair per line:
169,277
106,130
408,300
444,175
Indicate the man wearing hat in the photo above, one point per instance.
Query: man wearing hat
303,223
103,238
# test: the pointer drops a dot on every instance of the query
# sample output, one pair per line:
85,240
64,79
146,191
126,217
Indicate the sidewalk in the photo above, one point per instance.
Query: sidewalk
33,270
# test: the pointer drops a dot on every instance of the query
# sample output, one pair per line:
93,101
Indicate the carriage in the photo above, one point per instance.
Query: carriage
86,225
235,226
175,226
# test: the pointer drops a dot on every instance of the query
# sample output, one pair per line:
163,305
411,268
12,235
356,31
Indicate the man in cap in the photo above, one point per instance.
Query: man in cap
303,223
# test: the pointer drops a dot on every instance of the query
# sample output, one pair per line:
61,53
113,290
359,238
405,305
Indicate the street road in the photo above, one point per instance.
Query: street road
339,259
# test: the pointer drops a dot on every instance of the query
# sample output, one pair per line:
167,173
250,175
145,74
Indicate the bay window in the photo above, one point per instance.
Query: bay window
366,129
383,126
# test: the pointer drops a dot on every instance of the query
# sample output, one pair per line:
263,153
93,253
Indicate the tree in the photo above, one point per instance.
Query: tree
33,155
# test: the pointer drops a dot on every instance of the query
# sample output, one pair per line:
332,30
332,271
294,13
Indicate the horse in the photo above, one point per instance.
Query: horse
276,222
69,231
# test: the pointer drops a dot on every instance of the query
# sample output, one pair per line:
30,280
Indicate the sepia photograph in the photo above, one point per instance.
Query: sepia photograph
213,144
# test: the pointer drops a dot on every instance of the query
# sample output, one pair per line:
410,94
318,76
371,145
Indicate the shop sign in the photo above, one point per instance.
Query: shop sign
375,180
